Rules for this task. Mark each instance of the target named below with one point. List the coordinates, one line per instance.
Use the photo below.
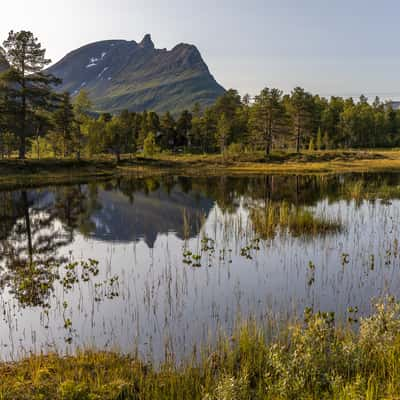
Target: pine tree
(128, 126)
(149, 145)
(311, 146)
(300, 107)
(143, 130)
(168, 138)
(326, 140)
(223, 132)
(267, 118)
(27, 87)
(115, 137)
(183, 127)
(82, 106)
(319, 139)
(63, 119)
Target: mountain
(3, 62)
(121, 74)
(149, 215)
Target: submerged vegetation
(313, 359)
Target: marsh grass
(31, 171)
(361, 190)
(311, 359)
(298, 221)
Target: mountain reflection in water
(144, 262)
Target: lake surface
(160, 265)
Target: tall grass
(314, 359)
(298, 221)
(361, 190)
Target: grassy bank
(50, 170)
(308, 360)
(14, 173)
(321, 162)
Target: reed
(310, 359)
(281, 217)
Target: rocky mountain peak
(3, 62)
(147, 42)
(120, 74)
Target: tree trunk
(267, 145)
(298, 141)
(38, 147)
(24, 196)
(22, 144)
(268, 149)
(269, 138)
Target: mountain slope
(3, 62)
(127, 75)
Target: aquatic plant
(297, 221)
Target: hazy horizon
(331, 49)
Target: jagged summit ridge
(3, 62)
(120, 74)
(147, 42)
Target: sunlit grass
(248, 162)
(298, 221)
(314, 359)
(362, 190)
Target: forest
(37, 122)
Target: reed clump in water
(298, 221)
(361, 190)
(314, 359)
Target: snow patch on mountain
(94, 60)
(102, 72)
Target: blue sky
(332, 47)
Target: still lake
(163, 264)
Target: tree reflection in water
(38, 226)
(34, 227)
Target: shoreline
(315, 358)
(30, 172)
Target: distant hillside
(119, 75)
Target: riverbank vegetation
(311, 359)
(37, 122)
(33, 172)
(316, 356)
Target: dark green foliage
(300, 106)
(63, 119)
(26, 88)
(56, 124)
(268, 118)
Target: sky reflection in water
(165, 263)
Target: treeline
(35, 119)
